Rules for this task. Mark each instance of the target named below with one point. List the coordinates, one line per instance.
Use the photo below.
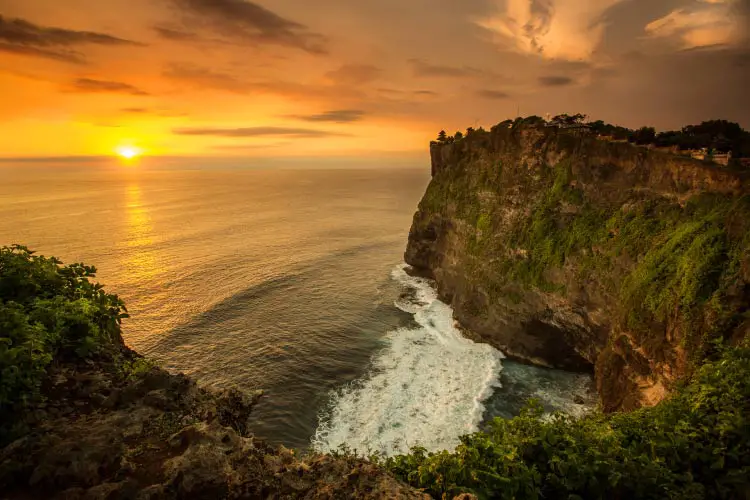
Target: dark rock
(159, 398)
(234, 408)
(161, 437)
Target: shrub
(48, 312)
(696, 444)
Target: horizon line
(89, 158)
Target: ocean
(287, 279)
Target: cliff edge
(568, 251)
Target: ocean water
(287, 279)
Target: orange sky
(341, 77)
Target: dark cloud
(88, 85)
(424, 92)
(248, 21)
(22, 37)
(21, 32)
(337, 116)
(177, 35)
(492, 94)
(136, 110)
(68, 56)
(201, 77)
(555, 81)
(354, 74)
(422, 68)
(259, 132)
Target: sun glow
(128, 152)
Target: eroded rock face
(103, 434)
(531, 236)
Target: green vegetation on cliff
(48, 312)
(689, 268)
(694, 445)
(547, 228)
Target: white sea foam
(426, 387)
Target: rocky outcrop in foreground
(573, 252)
(114, 427)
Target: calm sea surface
(289, 280)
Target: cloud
(337, 116)
(22, 37)
(354, 74)
(241, 147)
(68, 56)
(422, 68)
(88, 85)
(203, 78)
(206, 78)
(555, 81)
(492, 94)
(52, 159)
(155, 112)
(247, 21)
(176, 35)
(259, 132)
(399, 92)
(704, 23)
(554, 29)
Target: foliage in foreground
(694, 445)
(48, 312)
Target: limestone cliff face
(572, 252)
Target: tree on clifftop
(459, 136)
(566, 119)
(644, 135)
(442, 136)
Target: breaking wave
(426, 387)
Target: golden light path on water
(140, 260)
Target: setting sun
(128, 152)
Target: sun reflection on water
(141, 259)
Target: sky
(353, 77)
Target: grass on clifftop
(694, 445)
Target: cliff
(568, 251)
